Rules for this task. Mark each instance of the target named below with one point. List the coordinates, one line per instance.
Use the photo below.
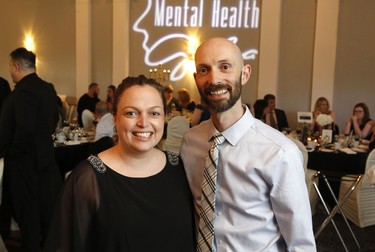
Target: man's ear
(246, 72)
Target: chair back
(88, 119)
(370, 160)
(176, 129)
(303, 150)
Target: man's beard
(222, 105)
(96, 95)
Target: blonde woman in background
(322, 107)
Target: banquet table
(335, 165)
(68, 156)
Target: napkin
(371, 175)
(347, 151)
(72, 142)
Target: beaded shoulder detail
(172, 158)
(97, 164)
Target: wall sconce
(192, 47)
(159, 74)
(29, 42)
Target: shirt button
(218, 213)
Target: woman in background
(131, 197)
(360, 123)
(111, 91)
(322, 107)
(187, 104)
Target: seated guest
(88, 101)
(187, 104)
(261, 109)
(360, 123)
(322, 107)
(105, 126)
(276, 118)
(172, 103)
(200, 114)
(111, 91)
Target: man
(88, 101)
(31, 175)
(105, 126)
(172, 103)
(276, 118)
(261, 200)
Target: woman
(322, 107)
(360, 123)
(111, 91)
(131, 197)
(187, 104)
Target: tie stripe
(207, 209)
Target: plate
(359, 150)
(71, 142)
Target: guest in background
(105, 126)
(261, 200)
(360, 123)
(173, 104)
(322, 106)
(111, 91)
(187, 104)
(201, 113)
(31, 175)
(276, 118)
(4, 90)
(88, 101)
(261, 109)
(131, 197)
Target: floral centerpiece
(324, 120)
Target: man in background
(276, 118)
(88, 101)
(172, 103)
(31, 176)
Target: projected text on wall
(236, 18)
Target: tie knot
(218, 139)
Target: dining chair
(72, 113)
(176, 128)
(88, 120)
(360, 206)
(309, 176)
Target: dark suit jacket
(282, 121)
(27, 122)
